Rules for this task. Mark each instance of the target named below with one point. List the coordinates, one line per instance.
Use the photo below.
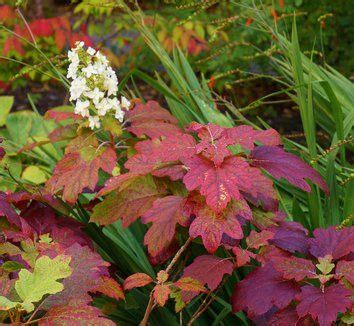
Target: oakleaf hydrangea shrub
(205, 184)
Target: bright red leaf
(218, 184)
(243, 257)
(109, 287)
(164, 215)
(211, 226)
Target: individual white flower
(73, 57)
(125, 103)
(78, 86)
(91, 51)
(104, 106)
(111, 86)
(119, 115)
(95, 95)
(102, 58)
(82, 108)
(115, 105)
(72, 70)
(94, 122)
(89, 71)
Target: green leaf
(19, 125)
(6, 103)
(6, 304)
(31, 287)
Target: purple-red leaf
(337, 243)
(290, 236)
(295, 268)
(345, 269)
(323, 305)
(281, 164)
(261, 290)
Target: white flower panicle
(94, 86)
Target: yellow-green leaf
(6, 103)
(34, 174)
(31, 287)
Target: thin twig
(150, 307)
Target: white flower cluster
(94, 85)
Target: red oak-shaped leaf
(257, 239)
(127, 204)
(151, 120)
(209, 270)
(211, 226)
(323, 305)
(243, 257)
(213, 143)
(74, 315)
(79, 170)
(218, 184)
(172, 148)
(109, 287)
(137, 280)
(246, 136)
(294, 268)
(290, 236)
(164, 214)
(337, 243)
(261, 290)
(161, 293)
(345, 269)
(215, 139)
(281, 164)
